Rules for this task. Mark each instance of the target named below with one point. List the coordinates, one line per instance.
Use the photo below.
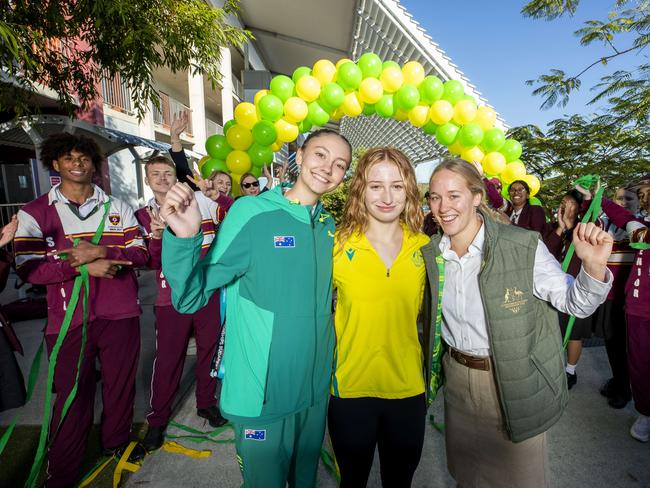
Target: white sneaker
(640, 429)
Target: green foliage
(334, 202)
(68, 45)
(627, 92)
(576, 146)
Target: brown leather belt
(472, 362)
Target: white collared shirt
(85, 208)
(514, 217)
(463, 317)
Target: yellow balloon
(308, 88)
(391, 79)
(295, 110)
(286, 131)
(456, 148)
(401, 115)
(338, 113)
(413, 73)
(472, 155)
(342, 61)
(246, 115)
(533, 183)
(485, 117)
(513, 171)
(371, 90)
(276, 146)
(259, 95)
(203, 160)
(352, 104)
(239, 137)
(441, 112)
(419, 115)
(236, 189)
(464, 112)
(324, 71)
(238, 162)
(494, 163)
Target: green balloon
(370, 65)
(228, 125)
(282, 87)
(317, 115)
(304, 126)
(260, 155)
(407, 97)
(390, 64)
(333, 95)
(300, 72)
(349, 76)
(429, 128)
(256, 171)
(446, 134)
(217, 146)
(430, 89)
(470, 98)
(264, 133)
(470, 135)
(385, 107)
(369, 109)
(493, 139)
(511, 150)
(535, 201)
(212, 165)
(453, 91)
(271, 107)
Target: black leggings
(358, 425)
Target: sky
(498, 49)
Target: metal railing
(168, 108)
(116, 93)
(237, 87)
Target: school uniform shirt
(51, 223)
(209, 222)
(378, 353)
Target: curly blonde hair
(355, 213)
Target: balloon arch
(327, 91)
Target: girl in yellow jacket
(378, 387)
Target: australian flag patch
(255, 435)
(284, 241)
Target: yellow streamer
(176, 448)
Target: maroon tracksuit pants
(116, 343)
(638, 355)
(173, 331)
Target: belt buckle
(462, 360)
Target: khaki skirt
(479, 451)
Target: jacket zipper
(315, 324)
(487, 328)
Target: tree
(68, 45)
(575, 146)
(627, 92)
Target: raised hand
(8, 232)
(178, 125)
(85, 252)
(157, 224)
(106, 268)
(181, 211)
(206, 186)
(593, 246)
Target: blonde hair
(472, 178)
(158, 160)
(355, 213)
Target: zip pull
(387, 272)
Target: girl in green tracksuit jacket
(273, 253)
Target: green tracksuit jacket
(275, 259)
